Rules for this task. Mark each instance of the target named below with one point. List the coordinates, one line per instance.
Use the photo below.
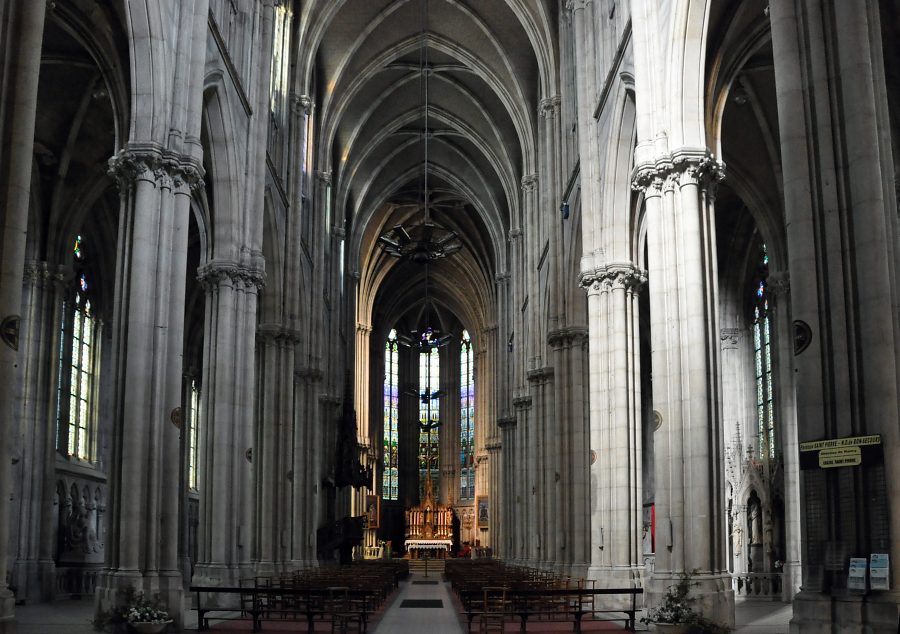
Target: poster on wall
(483, 511)
(373, 511)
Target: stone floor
(74, 617)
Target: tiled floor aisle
(400, 620)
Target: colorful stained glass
(762, 351)
(80, 378)
(429, 416)
(77, 250)
(82, 283)
(466, 419)
(390, 475)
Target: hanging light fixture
(425, 240)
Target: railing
(761, 585)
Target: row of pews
(344, 597)
(493, 593)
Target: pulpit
(429, 526)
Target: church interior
(601, 289)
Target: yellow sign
(840, 457)
(853, 441)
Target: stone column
(615, 424)
(305, 482)
(33, 571)
(688, 446)
(274, 444)
(148, 326)
(545, 465)
(511, 523)
(523, 473)
(23, 29)
(841, 225)
(573, 546)
(226, 469)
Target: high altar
(429, 526)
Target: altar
(432, 548)
(429, 527)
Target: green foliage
(677, 607)
(134, 609)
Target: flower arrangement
(135, 609)
(677, 608)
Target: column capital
(502, 277)
(779, 283)
(323, 176)
(494, 447)
(363, 329)
(300, 104)
(278, 334)
(729, 338)
(515, 233)
(310, 375)
(540, 375)
(549, 107)
(529, 182)
(218, 272)
(507, 423)
(613, 276)
(577, 5)
(522, 402)
(152, 162)
(684, 166)
(566, 337)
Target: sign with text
(880, 571)
(852, 451)
(856, 579)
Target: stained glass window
(193, 434)
(76, 250)
(429, 416)
(762, 360)
(80, 378)
(466, 419)
(390, 478)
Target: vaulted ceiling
(486, 64)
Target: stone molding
(540, 375)
(278, 334)
(565, 337)
(613, 276)
(685, 166)
(219, 272)
(522, 402)
(151, 162)
(507, 422)
(529, 183)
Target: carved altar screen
(466, 419)
(429, 416)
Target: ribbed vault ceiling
(488, 65)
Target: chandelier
(425, 240)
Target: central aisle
(423, 605)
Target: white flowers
(142, 611)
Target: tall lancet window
(390, 477)
(76, 354)
(466, 419)
(762, 354)
(429, 415)
(193, 434)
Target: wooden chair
(495, 608)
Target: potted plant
(676, 614)
(135, 614)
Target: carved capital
(507, 423)
(309, 375)
(613, 276)
(567, 337)
(278, 335)
(549, 107)
(300, 104)
(150, 162)
(234, 274)
(540, 375)
(323, 177)
(522, 402)
(685, 166)
(779, 284)
(529, 182)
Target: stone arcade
(603, 271)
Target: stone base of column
(166, 586)
(878, 613)
(7, 611)
(713, 593)
(26, 580)
(791, 578)
(616, 577)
